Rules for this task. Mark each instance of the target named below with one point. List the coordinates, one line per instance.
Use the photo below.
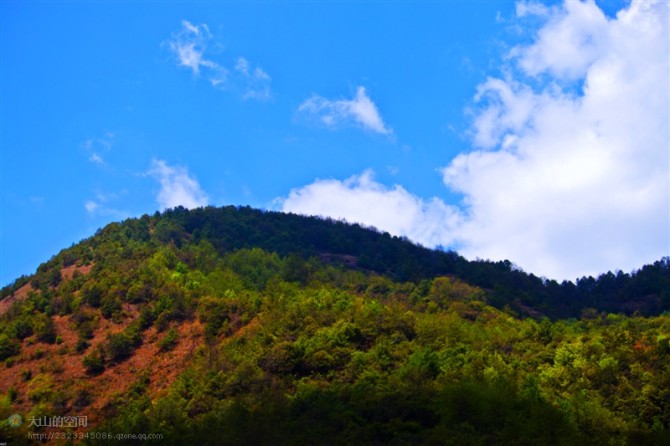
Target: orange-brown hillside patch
(64, 366)
(250, 327)
(170, 364)
(162, 368)
(22, 293)
(68, 271)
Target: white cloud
(242, 66)
(189, 46)
(570, 175)
(95, 146)
(91, 206)
(524, 8)
(255, 83)
(96, 159)
(509, 106)
(574, 184)
(361, 199)
(571, 40)
(99, 206)
(359, 110)
(178, 188)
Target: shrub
(82, 345)
(134, 333)
(119, 346)
(163, 321)
(59, 400)
(92, 294)
(81, 399)
(94, 362)
(84, 323)
(169, 341)
(22, 329)
(110, 306)
(26, 375)
(44, 328)
(8, 347)
(12, 393)
(40, 388)
(54, 277)
(147, 317)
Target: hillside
(238, 326)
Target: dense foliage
(362, 360)
(227, 229)
(319, 332)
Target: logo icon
(15, 420)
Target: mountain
(240, 326)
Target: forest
(239, 326)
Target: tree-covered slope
(646, 291)
(237, 326)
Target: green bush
(40, 388)
(8, 347)
(26, 375)
(92, 294)
(44, 328)
(85, 323)
(110, 306)
(82, 345)
(120, 345)
(147, 317)
(22, 328)
(12, 393)
(82, 398)
(169, 341)
(163, 321)
(94, 362)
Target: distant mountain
(240, 326)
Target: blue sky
(535, 132)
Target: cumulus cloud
(567, 45)
(569, 184)
(178, 187)
(189, 47)
(361, 199)
(360, 110)
(569, 171)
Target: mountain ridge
(231, 228)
